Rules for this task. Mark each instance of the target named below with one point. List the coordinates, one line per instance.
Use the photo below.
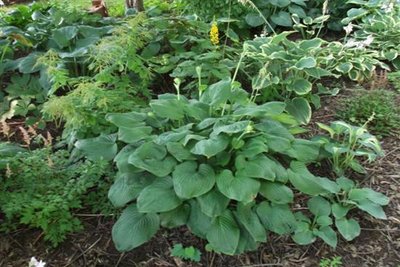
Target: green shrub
(379, 104)
(41, 189)
(226, 168)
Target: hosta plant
(290, 70)
(226, 168)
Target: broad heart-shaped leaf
(306, 63)
(250, 221)
(319, 206)
(175, 135)
(192, 180)
(236, 127)
(300, 86)
(217, 93)
(327, 234)
(134, 228)
(172, 109)
(254, 19)
(211, 147)
(158, 197)
(254, 146)
(130, 119)
(127, 187)
(265, 110)
(277, 218)
(121, 160)
(213, 203)
(176, 217)
(257, 167)
(131, 135)
(276, 192)
(198, 223)
(102, 147)
(349, 229)
(246, 242)
(307, 183)
(224, 233)
(277, 136)
(29, 64)
(179, 151)
(152, 158)
(282, 19)
(304, 150)
(63, 36)
(300, 109)
(240, 188)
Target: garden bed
(377, 246)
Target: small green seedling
(189, 253)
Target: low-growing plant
(380, 104)
(379, 22)
(288, 70)
(346, 143)
(335, 261)
(40, 189)
(226, 168)
(189, 253)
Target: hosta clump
(226, 168)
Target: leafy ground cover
(192, 136)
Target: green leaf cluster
(41, 189)
(226, 168)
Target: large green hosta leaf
(176, 217)
(250, 221)
(218, 93)
(236, 127)
(213, 203)
(172, 108)
(307, 183)
(262, 111)
(102, 147)
(158, 197)
(224, 233)
(192, 180)
(276, 192)
(300, 109)
(153, 158)
(198, 222)
(258, 167)
(304, 150)
(211, 147)
(121, 160)
(240, 188)
(278, 138)
(127, 187)
(134, 228)
(277, 218)
(63, 36)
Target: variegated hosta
(226, 168)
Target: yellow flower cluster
(214, 34)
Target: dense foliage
(40, 189)
(203, 109)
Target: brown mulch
(377, 246)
